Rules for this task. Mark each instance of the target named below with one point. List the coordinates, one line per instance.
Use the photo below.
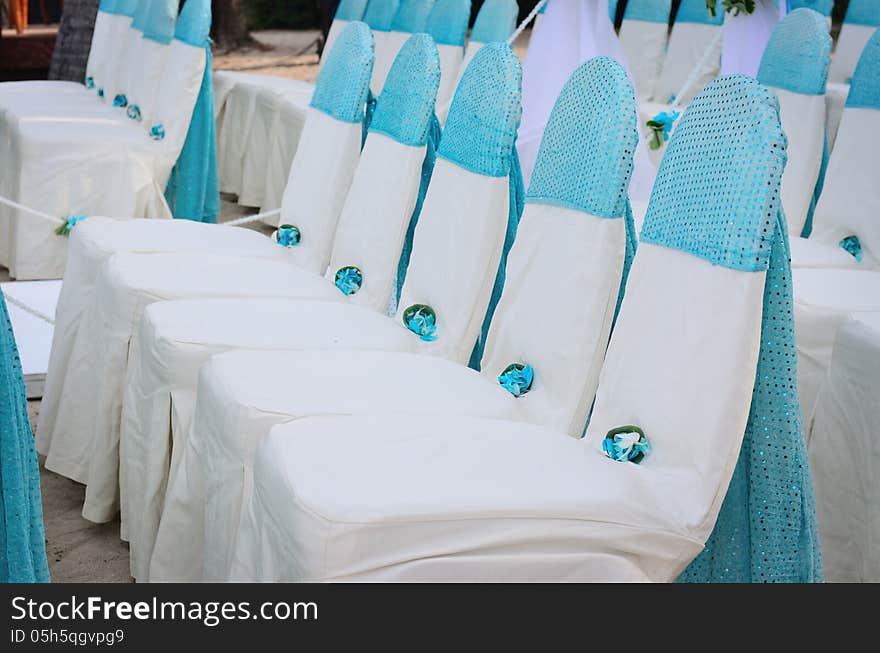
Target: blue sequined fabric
(715, 200)
(484, 116)
(405, 109)
(412, 16)
(824, 7)
(798, 54)
(22, 539)
(350, 10)
(864, 90)
(863, 12)
(344, 81)
(585, 160)
(652, 11)
(380, 14)
(695, 11)
(766, 530)
(448, 21)
(194, 24)
(496, 21)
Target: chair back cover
(795, 65)
(448, 24)
(861, 19)
(147, 58)
(496, 21)
(121, 39)
(346, 12)
(329, 149)
(567, 267)
(643, 36)
(102, 53)
(380, 16)
(824, 7)
(694, 33)
(849, 206)
(385, 190)
(469, 216)
(410, 18)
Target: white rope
(251, 218)
(28, 309)
(26, 209)
(526, 22)
(696, 72)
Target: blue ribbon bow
(69, 224)
(517, 378)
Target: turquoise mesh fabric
(484, 115)
(194, 24)
(586, 154)
(448, 21)
(193, 190)
(652, 11)
(344, 81)
(864, 90)
(824, 7)
(380, 14)
(141, 11)
(766, 530)
(798, 54)
(412, 16)
(405, 109)
(22, 540)
(109, 6)
(717, 190)
(159, 22)
(350, 10)
(863, 12)
(695, 11)
(496, 21)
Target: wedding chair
(643, 37)
(795, 66)
(694, 33)
(320, 179)
(169, 346)
(846, 224)
(465, 229)
(860, 22)
(403, 498)
(116, 166)
(842, 448)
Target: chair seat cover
(461, 499)
(173, 341)
(813, 253)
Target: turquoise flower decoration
(157, 132)
(287, 236)
(90, 82)
(134, 112)
(660, 126)
(853, 246)
(100, 92)
(626, 444)
(517, 378)
(120, 101)
(421, 320)
(349, 280)
(69, 224)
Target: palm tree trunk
(74, 40)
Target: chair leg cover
(766, 530)
(22, 540)
(192, 191)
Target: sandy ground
(78, 550)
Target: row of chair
(503, 486)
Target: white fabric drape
(745, 37)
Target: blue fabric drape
(192, 192)
(22, 539)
